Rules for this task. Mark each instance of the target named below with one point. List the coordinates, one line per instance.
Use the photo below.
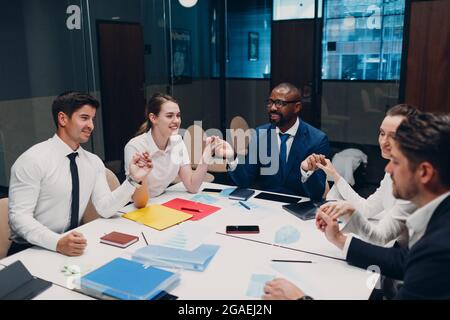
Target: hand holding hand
(310, 163)
(222, 149)
(140, 166)
(329, 169)
(337, 209)
(330, 227)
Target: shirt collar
(418, 221)
(153, 148)
(62, 148)
(292, 130)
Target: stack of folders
(196, 260)
(127, 280)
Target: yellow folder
(157, 216)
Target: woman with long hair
(159, 138)
(381, 204)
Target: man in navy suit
(420, 172)
(282, 154)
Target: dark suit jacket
(425, 268)
(308, 140)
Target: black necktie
(75, 191)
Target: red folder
(197, 209)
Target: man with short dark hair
(52, 182)
(419, 167)
(283, 153)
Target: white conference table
(229, 274)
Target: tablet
(303, 210)
(278, 197)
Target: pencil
(191, 209)
(143, 236)
(295, 261)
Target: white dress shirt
(382, 203)
(291, 132)
(40, 192)
(374, 206)
(418, 222)
(166, 163)
(391, 227)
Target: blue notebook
(196, 260)
(128, 280)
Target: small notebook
(158, 217)
(118, 239)
(241, 194)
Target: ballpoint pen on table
(295, 261)
(244, 205)
(191, 209)
(145, 239)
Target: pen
(244, 205)
(190, 209)
(144, 238)
(295, 261)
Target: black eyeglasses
(280, 103)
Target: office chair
(195, 150)
(90, 214)
(239, 138)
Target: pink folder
(197, 209)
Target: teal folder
(128, 280)
(196, 260)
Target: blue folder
(128, 280)
(196, 260)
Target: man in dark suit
(420, 172)
(278, 149)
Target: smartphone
(242, 229)
(212, 190)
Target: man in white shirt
(420, 173)
(52, 182)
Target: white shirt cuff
(50, 241)
(233, 165)
(129, 186)
(347, 245)
(305, 175)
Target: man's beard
(279, 123)
(406, 193)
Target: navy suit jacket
(308, 140)
(424, 269)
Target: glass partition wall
(43, 54)
(361, 50)
(214, 57)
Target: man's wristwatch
(305, 298)
(133, 182)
